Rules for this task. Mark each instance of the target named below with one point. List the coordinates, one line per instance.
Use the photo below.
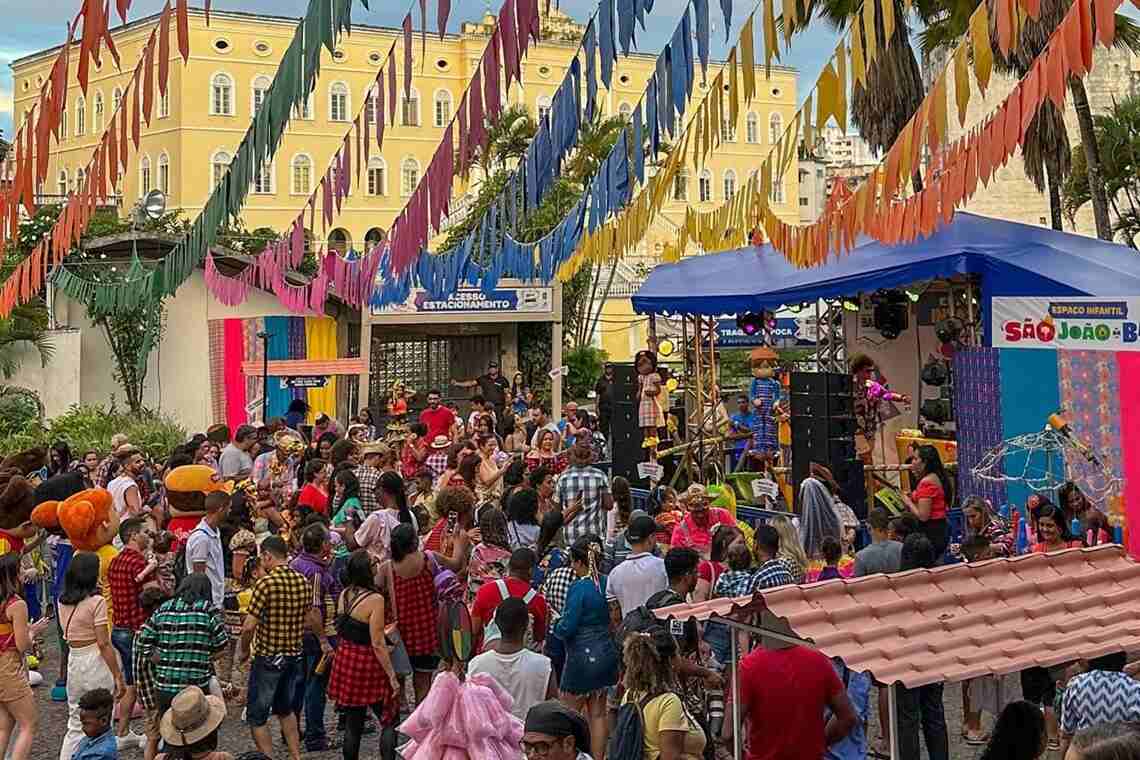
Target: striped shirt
(186, 637)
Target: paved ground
(236, 737)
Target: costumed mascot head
(31, 463)
(764, 362)
(187, 487)
(17, 501)
(87, 517)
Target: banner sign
(789, 331)
(476, 301)
(1091, 324)
(304, 381)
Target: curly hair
(648, 660)
(452, 499)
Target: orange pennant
(1004, 21)
(984, 150)
(1056, 73)
(1012, 112)
(1031, 94)
(1106, 21)
(1071, 34)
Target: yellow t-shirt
(667, 713)
(106, 553)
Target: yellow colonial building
(208, 108)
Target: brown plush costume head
(88, 518)
(17, 500)
(187, 486)
(763, 362)
(27, 463)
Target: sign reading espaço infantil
(1108, 324)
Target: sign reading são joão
(1098, 324)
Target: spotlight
(750, 323)
(850, 305)
(891, 313)
(665, 347)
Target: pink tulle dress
(463, 720)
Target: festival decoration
(102, 172)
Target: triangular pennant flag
(841, 78)
(443, 11)
(790, 20)
(748, 58)
(771, 43)
(407, 27)
(870, 34)
(961, 83)
(887, 11)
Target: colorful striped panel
(977, 412)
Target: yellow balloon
(671, 384)
(665, 348)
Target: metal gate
(423, 363)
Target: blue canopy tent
(1011, 259)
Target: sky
(40, 24)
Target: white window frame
(164, 103)
(727, 131)
(409, 103)
(80, 178)
(146, 178)
(681, 185)
(162, 176)
(376, 163)
(704, 186)
(406, 187)
(542, 106)
(729, 185)
(80, 116)
(752, 129)
(442, 98)
(63, 117)
(258, 88)
(308, 188)
(62, 183)
(339, 112)
(221, 100)
(215, 174)
(777, 190)
(268, 173)
(347, 241)
(625, 110)
(97, 114)
(116, 99)
(371, 103)
(775, 128)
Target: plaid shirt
(556, 586)
(125, 590)
(279, 603)
(732, 583)
(771, 574)
(369, 479)
(591, 484)
(186, 637)
(436, 462)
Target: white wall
(58, 383)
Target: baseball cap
(641, 527)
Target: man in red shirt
(122, 577)
(439, 419)
(517, 585)
(767, 700)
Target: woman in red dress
(362, 673)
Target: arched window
(704, 185)
(752, 128)
(409, 176)
(338, 102)
(442, 108)
(374, 237)
(777, 190)
(727, 131)
(306, 109)
(258, 90)
(625, 110)
(80, 116)
(377, 176)
(681, 185)
(144, 175)
(164, 104)
(729, 185)
(164, 173)
(410, 109)
(63, 122)
(302, 174)
(219, 165)
(263, 179)
(222, 95)
(80, 179)
(340, 241)
(775, 128)
(370, 106)
(62, 183)
(97, 115)
(116, 98)
(543, 107)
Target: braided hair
(588, 550)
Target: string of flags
(109, 161)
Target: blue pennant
(606, 40)
(589, 46)
(625, 18)
(701, 10)
(638, 147)
(726, 8)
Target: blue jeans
(123, 640)
(309, 694)
(272, 683)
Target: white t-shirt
(525, 675)
(234, 462)
(636, 579)
(118, 489)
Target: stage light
(892, 313)
(912, 296)
(665, 348)
(949, 330)
(750, 323)
(849, 305)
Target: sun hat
(193, 715)
(375, 447)
(693, 491)
(440, 442)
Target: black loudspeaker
(626, 450)
(823, 426)
(625, 384)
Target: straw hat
(285, 439)
(440, 442)
(192, 716)
(375, 447)
(694, 491)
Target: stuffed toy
(91, 523)
(650, 412)
(186, 489)
(764, 393)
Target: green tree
(1118, 135)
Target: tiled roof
(960, 621)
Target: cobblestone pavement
(236, 737)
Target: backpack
(627, 740)
(491, 629)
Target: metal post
(736, 728)
(264, 376)
(893, 714)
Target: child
(232, 673)
(832, 551)
(159, 571)
(668, 513)
(98, 742)
(650, 415)
(423, 499)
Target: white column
(555, 363)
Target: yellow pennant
(869, 31)
(887, 8)
(733, 92)
(983, 53)
(771, 43)
(939, 122)
(790, 20)
(748, 58)
(827, 96)
(961, 82)
(858, 67)
(841, 76)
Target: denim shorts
(123, 640)
(271, 687)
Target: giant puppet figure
(764, 394)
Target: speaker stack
(625, 435)
(823, 431)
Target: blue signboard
(789, 331)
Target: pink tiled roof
(960, 621)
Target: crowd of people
(454, 583)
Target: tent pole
(893, 714)
(736, 727)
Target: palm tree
(893, 90)
(1045, 149)
(595, 140)
(507, 138)
(26, 327)
(1118, 136)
